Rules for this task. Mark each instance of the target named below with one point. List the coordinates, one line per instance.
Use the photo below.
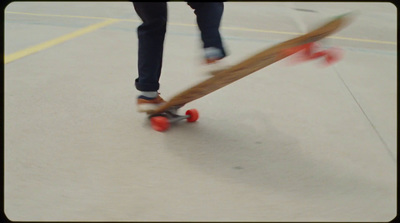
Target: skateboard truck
(162, 121)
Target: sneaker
(145, 104)
(212, 55)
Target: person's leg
(151, 35)
(209, 15)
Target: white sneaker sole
(147, 107)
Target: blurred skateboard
(163, 116)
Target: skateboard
(166, 114)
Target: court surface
(287, 143)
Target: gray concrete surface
(288, 143)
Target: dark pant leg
(209, 15)
(151, 35)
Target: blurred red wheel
(194, 115)
(333, 55)
(160, 123)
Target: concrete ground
(287, 143)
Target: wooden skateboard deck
(254, 63)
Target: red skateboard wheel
(333, 55)
(194, 115)
(159, 123)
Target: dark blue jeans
(151, 35)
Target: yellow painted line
(34, 49)
(363, 40)
(192, 25)
(296, 34)
(109, 21)
(261, 31)
(62, 16)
